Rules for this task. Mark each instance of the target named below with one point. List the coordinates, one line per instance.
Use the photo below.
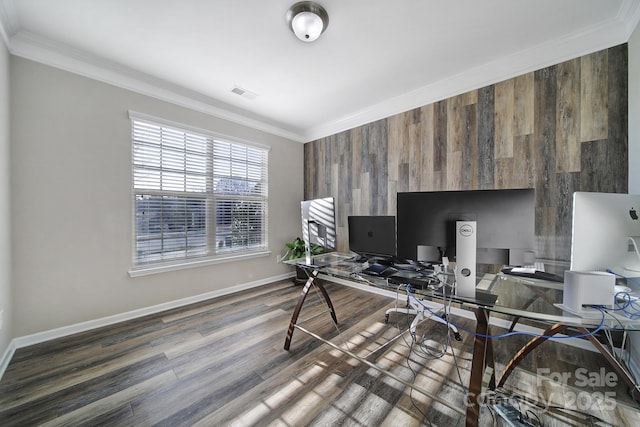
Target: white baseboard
(63, 331)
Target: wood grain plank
(342, 181)
(486, 138)
(523, 105)
(426, 161)
(440, 138)
(415, 147)
(454, 171)
(392, 203)
(546, 224)
(365, 194)
(504, 173)
(504, 119)
(524, 166)
(356, 199)
(470, 154)
(98, 408)
(192, 397)
(594, 96)
(469, 98)
(545, 134)
(403, 178)
(600, 161)
(618, 116)
(454, 125)
(234, 328)
(396, 152)
(39, 390)
(568, 110)
(270, 296)
(355, 162)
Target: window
(195, 195)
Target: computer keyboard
(539, 266)
(532, 273)
(380, 270)
(412, 266)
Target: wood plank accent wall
(559, 129)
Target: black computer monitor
(505, 222)
(372, 236)
(318, 222)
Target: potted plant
(296, 249)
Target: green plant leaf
(296, 249)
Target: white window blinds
(196, 195)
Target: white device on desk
(466, 259)
(583, 289)
(605, 230)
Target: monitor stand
(632, 263)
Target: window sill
(145, 270)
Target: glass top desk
(510, 300)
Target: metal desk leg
(615, 364)
(482, 357)
(558, 329)
(527, 348)
(311, 281)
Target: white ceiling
(376, 58)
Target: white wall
(634, 112)
(5, 225)
(72, 205)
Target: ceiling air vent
(244, 93)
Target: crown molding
(33, 47)
(629, 16)
(610, 33)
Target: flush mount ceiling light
(307, 20)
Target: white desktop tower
(465, 271)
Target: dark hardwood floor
(221, 362)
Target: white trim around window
(198, 197)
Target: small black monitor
(373, 236)
(505, 224)
(319, 223)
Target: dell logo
(466, 230)
(633, 214)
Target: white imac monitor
(606, 233)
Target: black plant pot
(301, 276)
